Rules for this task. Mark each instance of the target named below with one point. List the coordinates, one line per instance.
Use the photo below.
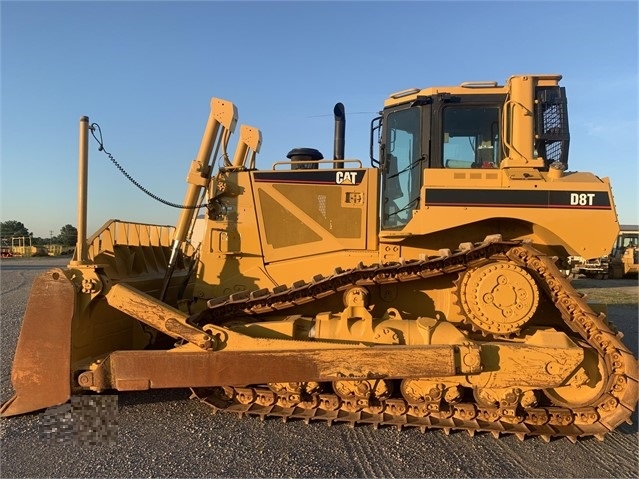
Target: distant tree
(68, 235)
(12, 228)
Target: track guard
(42, 364)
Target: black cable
(94, 127)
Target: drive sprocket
(498, 298)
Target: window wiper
(408, 168)
(405, 208)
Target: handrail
(318, 162)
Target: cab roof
(466, 88)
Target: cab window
(470, 137)
(403, 169)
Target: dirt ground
(162, 433)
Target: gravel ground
(164, 434)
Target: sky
(146, 72)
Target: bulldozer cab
(457, 158)
(473, 126)
(625, 240)
(466, 134)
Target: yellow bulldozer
(420, 291)
(624, 258)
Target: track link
(613, 406)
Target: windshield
(402, 179)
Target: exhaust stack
(338, 142)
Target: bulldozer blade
(42, 364)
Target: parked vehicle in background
(622, 262)
(624, 259)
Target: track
(612, 407)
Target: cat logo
(346, 177)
